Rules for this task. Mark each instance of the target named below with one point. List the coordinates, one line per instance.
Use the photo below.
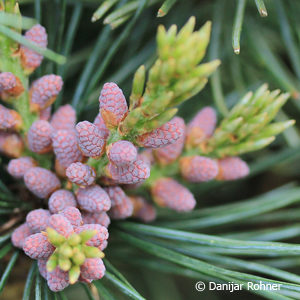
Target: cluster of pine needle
(225, 190)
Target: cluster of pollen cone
(96, 170)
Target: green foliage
(164, 9)
(16, 21)
(21, 40)
(246, 128)
(71, 252)
(231, 236)
(120, 14)
(175, 77)
(261, 8)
